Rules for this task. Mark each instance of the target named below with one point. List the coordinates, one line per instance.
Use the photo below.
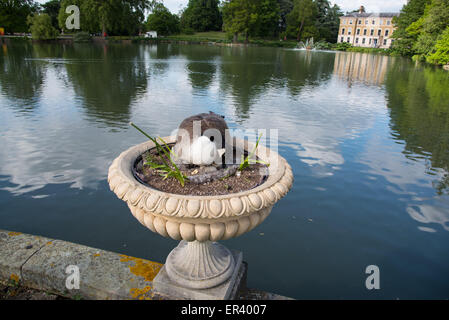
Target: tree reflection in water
(418, 100)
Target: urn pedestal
(199, 263)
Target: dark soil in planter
(249, 178)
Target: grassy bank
(221, 37)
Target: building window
(386, 33)
(343, 31)
(385, 42)
(374, 21)
(379, 32)
(356, 40)
(342, 39)
(388, 22)
(364, 32)
(366, 21)
(369, 40)
(363, 40)
(372, 32)
(380, 21)
(360, 21)
(350, 21)
(349, 31)
(349, 39)
(358, 31)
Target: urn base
(174, 288)
(199, 264)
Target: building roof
(371, 15)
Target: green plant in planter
(246, 161)
(168, 168)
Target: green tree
(52, 8)
(268, 15)
(114, 17)
(41, 27)
(327, 20)
(202, 15)
(410, 13)
(301, 20)
(440, 54)
(240, 16)
(434, 22)
(163, 21)
(285, 7)
(14, 13)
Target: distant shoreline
(171, 39)
(191, 40)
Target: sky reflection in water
(366, 135)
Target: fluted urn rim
(123, 183)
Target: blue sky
(346, 5)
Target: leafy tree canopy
(115, 17)
(201, 15)
(429, 28)
(14, 13)
(327, 20)
(440, 54)
(52, 8)
(419, 25)
(301, 20)
(41, 27)
(163, 21)
(240, 16)
(285, 6)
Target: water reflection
(249, 73)
(366, 136)
(367, 68)
(201, 65)
(108, 78)
(297, 69)
(418, 99)
(245, 75)
(16, 68)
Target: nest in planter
(202, 180)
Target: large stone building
(371, 30)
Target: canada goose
(201, 139)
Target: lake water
(367, 137)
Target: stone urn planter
(199, 262)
